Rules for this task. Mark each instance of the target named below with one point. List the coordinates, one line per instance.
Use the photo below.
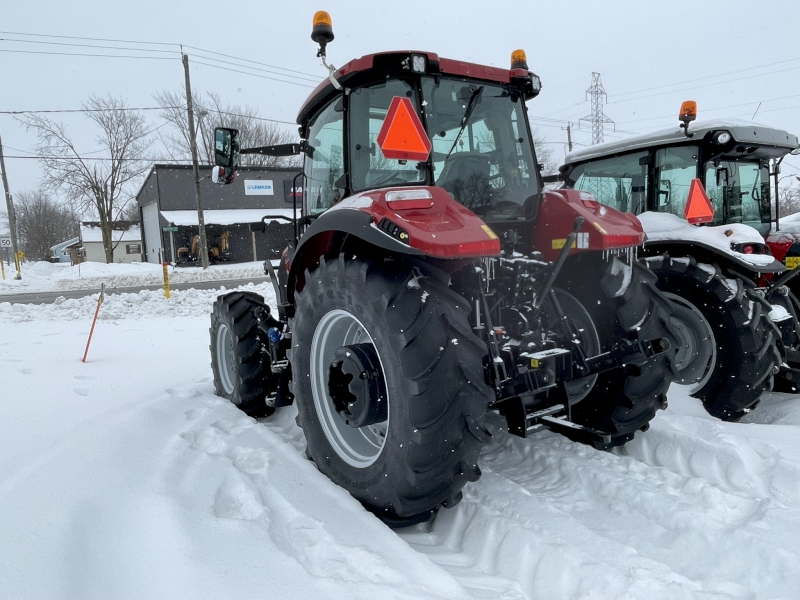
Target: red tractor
(434, 288)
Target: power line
(310, 78)
(314, 80)
(255, 62)
(86, 54)
(87, 46)
(69, 37)
(197, 62)
(705, 85)
(666, 85)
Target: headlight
(723, 137)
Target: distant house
(60, 252)
(234, 214)
(127, 240)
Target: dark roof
(172, 186)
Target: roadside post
(18, 263)
(171, 229)
(5, 244)
(165, 266)
(97, 310)
(3, 267)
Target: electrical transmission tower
(597, 118)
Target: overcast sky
(728, 55)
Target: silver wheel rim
(358, 447)
(225, 358)
(696, 334)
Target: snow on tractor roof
(741, 130)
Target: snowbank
(45, 277)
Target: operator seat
(466, 176)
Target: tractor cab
(410, 119)
(733, 160)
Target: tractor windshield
(481, 150)
(741, 190)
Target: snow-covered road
(125, 477)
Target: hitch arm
(627, 353)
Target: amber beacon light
(687, 115)
(688, 111)
(322, 31)
(519, 60)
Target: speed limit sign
(5, 242)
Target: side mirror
(226, 155)
(226, 147)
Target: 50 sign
(5, 242)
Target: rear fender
(718, 243)
(605, 228)
(430, 225)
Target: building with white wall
(127, 243)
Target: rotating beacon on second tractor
(435, 294)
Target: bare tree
(98, 184)
(253, 130)
(544, 153)
(789, 198)
(130, 212)
(42, 223)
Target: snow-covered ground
(45, 277)
(126, 477)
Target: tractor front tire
(241, 370)
(423, 448)
(743, 341)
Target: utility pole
(193, 143)
(12, 219)
(569, 136)
(596, 91)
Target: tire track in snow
(690, 502)
(270, 486)
(685, 510)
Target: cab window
(481, 154)
(368, 109)
(739, 192)
(675, 169)
(619, 182)
(324, 160)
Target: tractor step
(555, 419)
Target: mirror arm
(278, 150)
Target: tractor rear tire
(624, 400)
(743, 339)
(241, 370)
(426, 449)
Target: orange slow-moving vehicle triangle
(698, 207)
(402, 135)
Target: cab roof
(745, 132)
(377, 66)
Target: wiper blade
(473, 100)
